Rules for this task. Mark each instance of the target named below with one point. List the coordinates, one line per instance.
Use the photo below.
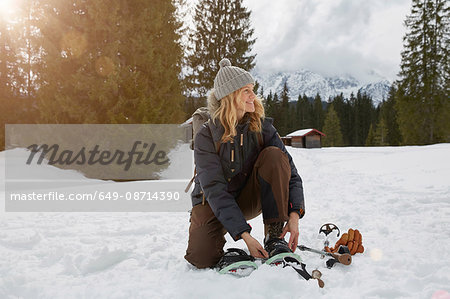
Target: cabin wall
(313, 141)
(297, 141)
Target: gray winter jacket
(219, 180)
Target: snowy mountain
(310, 83)
(378, 90)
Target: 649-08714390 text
(93, 196)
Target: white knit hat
(230, 78)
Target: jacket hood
(213, 103)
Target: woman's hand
(256, 250)
(292, 228)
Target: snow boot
(279, 250)
(236, 262)
(276, 246)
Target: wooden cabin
(306, 138)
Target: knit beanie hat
(230, 78)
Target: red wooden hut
(306, 138)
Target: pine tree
(111, 62)
(6, 60)
(304, 112)
(269, 105)
(388, 114)
(364, 115)
(370, 140)
(276, 112)
(351, 133)
(284, 115)
(318, 113)
(332, 129)
(19, 51)
(381, 133)
(258, 89)
(223, 29)
(423, 90)
(344, 112)
(28, 48)
(19, 57)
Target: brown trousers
(266, 191)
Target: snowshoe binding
(281, 254)
(278, 249)
(236, 262)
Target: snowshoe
(281, 255)
(236, 262)
(278, 250)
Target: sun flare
(8, 8)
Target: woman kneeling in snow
(243, 169)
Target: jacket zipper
(232, 151)
(241, 151)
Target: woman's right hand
(256, 250)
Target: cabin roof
(305, 132)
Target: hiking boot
(237, 262)
(276, 246)
(273, 230)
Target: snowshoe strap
(234, 255)
(236, 261)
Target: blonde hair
(227, 114)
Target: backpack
(199, 117)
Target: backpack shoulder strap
(217, 147)
(217, 144)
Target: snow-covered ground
(398, 197)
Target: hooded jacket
(222, 175)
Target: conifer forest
(136, 62)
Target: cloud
(329, 36)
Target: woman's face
(247, 99)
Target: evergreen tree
(304, 112)
(298, 122)
(111, 62)
(19, 57)
(276, 112)
(6, 60)
(258, 90)
(19, 51)
(318, 113)
(223, 29)
(364, 115)
(332, 129)
(284, 115)
(388, 114)
(370, 140)
(351, 133)
(27, 47)
(423, 90)
(381, 133)
(344, 112)
(269, 105)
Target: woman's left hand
(292, 228)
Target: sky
(331, 37)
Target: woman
(243, 169)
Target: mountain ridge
(310, 83)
